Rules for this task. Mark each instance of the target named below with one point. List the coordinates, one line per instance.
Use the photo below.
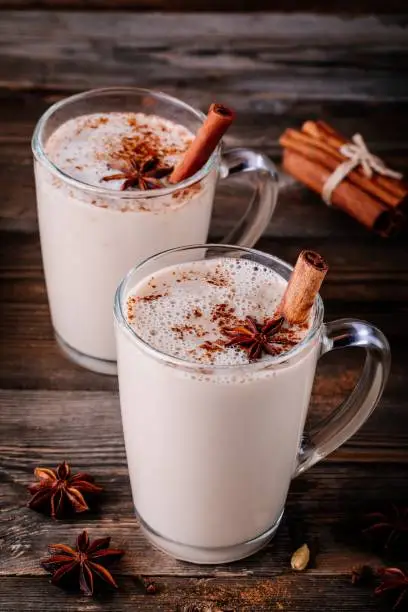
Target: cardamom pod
(300, 558)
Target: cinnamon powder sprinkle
(152, 297)
(130, 303)
(92, 124)
(132, 147)
(268, 594)
(132, 122)
(181, 330)
(211, 347)
(217, 279)
(183, 194)
(285, 340)
(142, 146)
(223, 315)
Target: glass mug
(88, 238)
(212, 450)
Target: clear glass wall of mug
(90, 236)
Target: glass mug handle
(262, 205)
(350, 415)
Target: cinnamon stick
(322, 152)
(218, 120)
(303, 287)
(322, 132)
(366, 209)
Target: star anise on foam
(394, 583)
(83, 565)
(255, 338)
(144, 173)
(59, 492)
(389, 529)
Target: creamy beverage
(90, 238)
(212, 439)
(123, 173)
(217, 350)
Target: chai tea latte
(206, 440)
(89, 239)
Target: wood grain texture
(359, 266)
(256, 58)
(288, 592)
(277, 70)
(380, 123)
(46, 427)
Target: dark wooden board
(336, 6)
(380, 123)
(256, 59)
(277, 70)
(373, 270)
(46, 427)
(294, 593)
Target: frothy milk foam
(83, 147)
(89, 240)
(210, 448)
(183, 311)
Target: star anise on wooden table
(394, 583)
(83, 565)
(388, 530)
(142, 173)
(255, 338)
(59, 492)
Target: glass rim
(185, 364)
(37, 146)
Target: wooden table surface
(276, 70)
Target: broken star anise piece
(388, 530)
(142, 173)
(255, 338)
(394, 583)
(59, 492)
(83, 565)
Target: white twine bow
(358, 155)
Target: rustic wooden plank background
(276, 70)
(322, 6)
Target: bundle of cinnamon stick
(312, 154)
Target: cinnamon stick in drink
(303, 287)
(218, 120)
